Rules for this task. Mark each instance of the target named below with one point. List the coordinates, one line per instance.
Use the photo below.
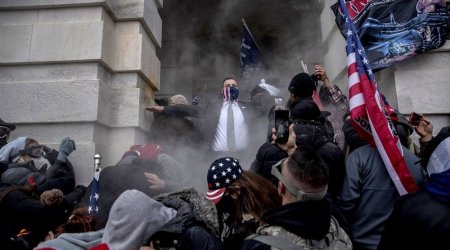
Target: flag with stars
(221, 174)
(253, 66)
(395, 30)
(95, 191)
(368, 112)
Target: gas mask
(231, 93)
(41, 163)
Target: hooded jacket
(114, 180)
(12, 149)
(368, 194)
(133, 219)
(268, 155)
(194, 227)
(60, 175)
(73, 241)
(308, 222)
(310, 136)
(129, 225)
(19, 210)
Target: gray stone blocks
(80, 68)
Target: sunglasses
(299, 194)
(4, 132)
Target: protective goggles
(299, 194)
(35, 151)
(4, 132)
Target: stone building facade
(80, 68)
(87, 68)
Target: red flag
(368, 111)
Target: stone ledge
(144, 11)
(119, 46)
(41, 4)
(36, 101)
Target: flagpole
(95, 190)
(246, 27)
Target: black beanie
(302, 85)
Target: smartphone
(414, 119)
(282, 125)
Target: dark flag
(392, 31)
(369, 113)
(253, 66)
(93, 198)
(95, 191)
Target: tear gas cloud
(201, 41)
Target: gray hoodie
(12, 149)
(129, 224)
(74, 241)
(128, 227)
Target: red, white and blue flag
(95, 191)
(368, 112)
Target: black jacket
(114, 180)
(310, 136)
(209, 116)
(175, 133)
(309, 220)
(419, 221)
(20, 210)
(310, 132)
(268, 155)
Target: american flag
(93, 198)
(368, 111)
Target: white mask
(41, 162)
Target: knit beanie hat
(302, 85)
(178, 100)
(52, 197)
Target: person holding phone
(423, 127)
(272, 152)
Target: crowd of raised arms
(234, 173)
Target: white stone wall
(80, 68)
(420, 84)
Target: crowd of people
(312, 182)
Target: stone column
(83, 69)
(420, 84)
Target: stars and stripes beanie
(221, 174)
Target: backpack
(335, 239)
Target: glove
(81, 188)
(146, 151)
(66, 147)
